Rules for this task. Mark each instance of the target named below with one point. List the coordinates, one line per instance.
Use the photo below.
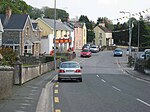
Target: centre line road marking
(103, 80)
(56, 91)
(57, 110)
(56, 99)
(143, 102)
(116, 88)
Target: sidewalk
(25, 98)
(135, 73)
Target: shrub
(9, 56)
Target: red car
(86, 53)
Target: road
(106, 87)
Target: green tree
(89, 25)
(17, 6)
(108, 23)
(35, 12)
(60, 14)
(9, 56)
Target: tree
(35, 12)
(17, 6)
(89, 25)
(60, 14)
(108, 23)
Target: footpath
(26, 97)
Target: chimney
(8, 12)
(7, 15)
(102, 24)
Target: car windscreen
(118, 51)
(69, 65)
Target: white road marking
(116, 88)
(97, 75)
(103, 80)
(143, 102)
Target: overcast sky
(96, 8)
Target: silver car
(69, 70)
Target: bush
(9, 56)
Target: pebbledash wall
(6, 81)
(19, 75)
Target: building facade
(103, 36)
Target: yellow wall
(46, 30)
(97, 32)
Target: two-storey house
(63, 40)
(103, 36)
(80, 35)
(19, 33)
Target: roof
(16, 21)
(59, 24)
(104, 29)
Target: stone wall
(31, 72)
(6, 82)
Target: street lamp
(130, 30)
(55, 34)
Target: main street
(106, 87)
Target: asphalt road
(106, 87)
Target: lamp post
(130, 30)
(55, 34)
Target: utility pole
(54, 35)
(130, 30)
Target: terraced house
(19, 33)
(63, 35)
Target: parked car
(86, 46)
(118, 52)
(85, 53)
(94, 48)
(69, 70)
(144, 56)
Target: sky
(94, 9)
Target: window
(100, 35)
(27, 49)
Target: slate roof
(15, 22)
(59, 24)
(105, 29)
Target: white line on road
(103, 80)
(97, 75)
(116, 88)
(143, 102)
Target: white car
(94, 49)
(69, 70)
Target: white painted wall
(47, 44)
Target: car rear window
(69, 65)
(85, 50)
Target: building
(103, 36)
(63, 35)
(19, 33)
(80, 34)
